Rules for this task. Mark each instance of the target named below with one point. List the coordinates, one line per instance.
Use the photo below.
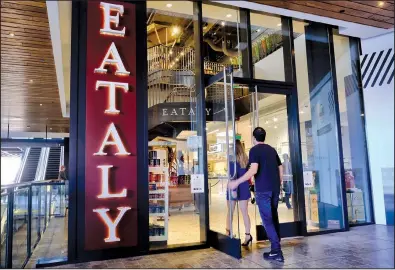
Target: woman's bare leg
(229, 215)
(243, 205)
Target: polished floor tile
(353, 249)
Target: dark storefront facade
(160, 92)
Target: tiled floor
(362, 247)
(187, 218)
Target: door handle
(232, 100)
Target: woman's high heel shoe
(246, 244)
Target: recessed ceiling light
(380, 3)
(279, 24)
(12, 34)
(169, 5)
(275, 119)
(41, 104)
(301, 112)
(228, 15)
(31, 81)
(275, 126)
(223, 23)
(50, 128)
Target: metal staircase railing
(171, 74)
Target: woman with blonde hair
(241, 194)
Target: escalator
(29, 169)
(53, 163)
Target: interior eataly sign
(110, 191)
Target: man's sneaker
(274, 256)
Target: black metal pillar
(10, 228)
(202, 198)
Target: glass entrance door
(233, 111)
(270, 111)
(221, 152)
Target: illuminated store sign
(111, 170)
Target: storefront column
(85, 59)
(202, 198)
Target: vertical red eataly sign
(110, 173)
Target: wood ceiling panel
(29, 89)
(22, 5)
(386, 4)
(362, 7)
(362, 12)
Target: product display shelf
(157, 191)
(158, 238)
(311, 208)
(162, 218)
(158, 214)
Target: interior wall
(379, 115)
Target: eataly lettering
(111, 225)
(112, 58)
(181, 111)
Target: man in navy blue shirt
(265, 166)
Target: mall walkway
(53, 244)
(362, 247)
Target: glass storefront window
(352, 127)
(175, 152)
(318, 128)
(267, 50)
(225, 39)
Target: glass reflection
(318, 128)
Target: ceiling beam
(55, 26)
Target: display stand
(355, 205)
(312, 216)
(159, 194)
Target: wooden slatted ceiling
(29, 89)
(374, 13)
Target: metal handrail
(34, 183)
(233, 121)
